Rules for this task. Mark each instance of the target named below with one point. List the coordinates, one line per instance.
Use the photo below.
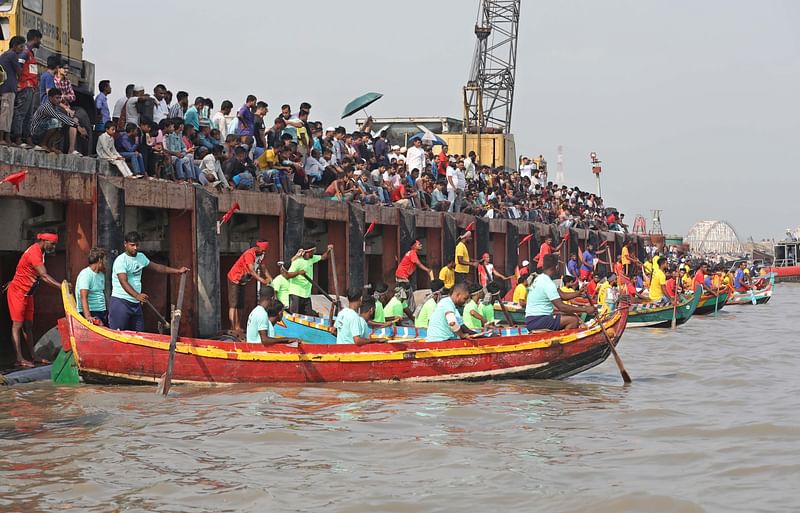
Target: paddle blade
(163, 385)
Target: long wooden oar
(334, 307)
(162, 322)
(625, 376)
(505, 312)
(315, 284)
(166, 380)
(675, 307)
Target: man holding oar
(544, 297)
(245, 268)
(125, 306)
(301, 276)
(405, 269)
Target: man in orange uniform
(245, 268)
(30, 272)
(545, 249)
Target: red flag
(15, 178)
(525, 239)
(566, 235)
(230, 212)
(369, 229)
(470, 227)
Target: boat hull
(108, 356)
(710, 303)
(649, 316)
(762, 295)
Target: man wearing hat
(301, 276)
(30, 272)
(463, 263)
(408, 264)
(245, 268)
(422, 317)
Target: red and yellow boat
(103, 355)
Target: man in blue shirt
(589, 262)
(445, 322)
(740, 278)
(125, 306)
(101, 102)
(90, 288)
(572, 266)
(351, 323)
(10, 61)
(544, 297)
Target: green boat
(709, 303)
(650, 315)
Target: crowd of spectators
(164, 136)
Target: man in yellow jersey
(658, 283)
(463, 263)
(521, 292)
(448, 276)
(629, 259)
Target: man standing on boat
(545, 249)
(29, 274)
(90, 288)
(245, 268)
(405, 269)
(125, 306)
(589, 262)
(446, 323)
(301, 276)
(463, 263)
(629, 260)
(544, 297)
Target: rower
(520, 292)
(30, 272)
(473, 317)
(262, 319)
(381, 294)
(658, 283)
(351, 323)
(463, 263)
(301, 276)
(569, 284)
(125, 305)
(544, 298)
(405, 269)
(398, 308)
(446, 323)
(423, 316)
(90, 288)
(608, 294)
(740, 281)
(245, 268)
(281, 285)
(487, 272)
(448, 275)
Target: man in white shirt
(456, 184)
(223, 118)
(469, 166)
(120, 104)
(395, 154)
(415, 157)
(313, 167)
(160, 109)
(526, 168)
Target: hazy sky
(692, 106)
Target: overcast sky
(692, 106)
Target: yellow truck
(59, 21)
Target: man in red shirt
(408, 264)
(26, 100)
(245, 268)
(30, 272)
(545, 249)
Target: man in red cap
(408, 264)
(30, 272)
(245, 268)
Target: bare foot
(25, 364)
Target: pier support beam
(512, 239)
(356, 260)
(482, 237)
(81, 237)
(182, 237)
(449, 238)
(270, 228)
(293, 228)
(110, 222)
(207, 299)
(337, 235)
(389, 256)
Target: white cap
(138, 88)
(403, 149)
(525, 263)
(330, 129)
(396, 147)
(357, 172)
(526, 158)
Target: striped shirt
(45, 113)
(176, 111)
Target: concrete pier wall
(88, 206)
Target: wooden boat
(649, 315)
(761, 295)
(709, 303)
(516, 312)
(102, 355)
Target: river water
(710, 423)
